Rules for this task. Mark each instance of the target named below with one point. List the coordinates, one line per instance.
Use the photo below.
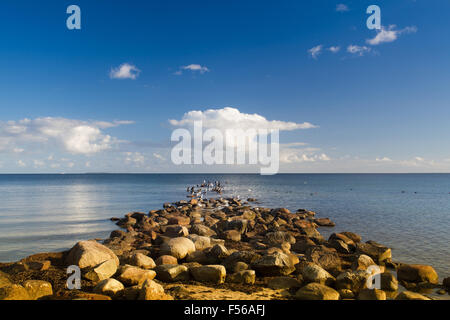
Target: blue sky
(384, 108)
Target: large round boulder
(178, 247)
(90, 254)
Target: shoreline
(233, 247)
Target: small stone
(14, 292)
(178, 247)
(152, 291)
(317, 291)
(172, 273)
(38, 288)
(372, 294)
(283, 283)
(211, 273)
(409, 295)
(244, 277)
(101, 272)
(142, 261)
(131, 275)
(166, 259)
(109, 287)
(417, 273)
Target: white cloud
(193, 68)
(334, 49)
(38, 163)
(158, 156)
(389, 35)
(384, 159)
(358, 50)
(73, 136)
(135, 158)
(20, 163)
(232, 118)
(124, 71)
(341, 7)
(315, 51)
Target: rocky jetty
(222, 248)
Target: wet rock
(315, 273)
(14, 292)
(372, 294)
(153, 291)
(109, 287)
(417, 273)
(244, 277)
(141, 261)
(276, 264)
(166, 259)
(172, 273)
(174, 231)
(377, 252)
(90, 254)
(211, 273)
(352, 236)
(178, 247)
(409, 295)
(317, 291)
(302, 245)
(101, 272)
(283, 283)
(131, 275)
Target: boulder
(325, 257)
(14, 292)
(142, 261)
(38, 288)
(346, 294)
(200, 242)
(388, 282)
(211, 273)
(362, 262)
(202, 230)
(315, 273)
(243, 277)
(324, 222)
(90, 253)
(275, 264)
(109, 287)
(283, 283)
(166, 259)
(377, 252)
(231, 235)
(151, 290)
(131, 275)
(372, 294)
(172, 273)
(101, 272)
(446, 282)
(409, 295)
(279, 237)
(4, 279)
(173, 231)
(317, 291)
(302, 245)
(417, 273)
(352, 280)
(39, 265)
(178, 247)
(353, 236)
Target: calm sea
(408, 212)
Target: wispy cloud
(315, 51)
(389, 34)
(125, 71)
(334, 49)
(341, 7)
(358, 50)
(192, 67)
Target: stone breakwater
(222, 249)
